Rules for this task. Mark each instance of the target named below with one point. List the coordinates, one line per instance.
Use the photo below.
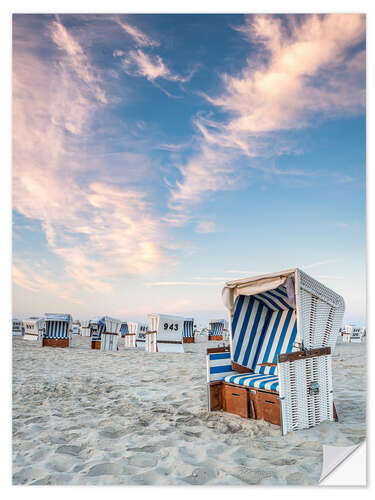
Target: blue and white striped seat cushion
(256, 380)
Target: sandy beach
(132, 418)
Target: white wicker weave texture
(305, 392)
(321, 311)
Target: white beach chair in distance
(216, 329)
(106, 336)
(57, 330)
(188, 337)
(278, 367)
(85, 328)
(354, 334)
(33, 328)
(140, 338)
(165, 333)
(131, 334)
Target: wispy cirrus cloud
(100, 230)
(152, 67)
(140, 38)
(300, 69)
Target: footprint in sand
(112, 433)
(142, 460)
(284, 461)
(200, 475)
(69, 449)
(105, 468)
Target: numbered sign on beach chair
(283, 329)
(33, 328)
(216, 329)
(107, 334)
(131, 334)
(140, 338)
(165, 333)
(188, 331)
(57, 330)
(85, 328)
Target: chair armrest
(266, 364)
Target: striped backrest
(217, 327)
(97, 333)
(218, 365)
(56, 329)
(124, 329)
(263, 326)
(189, 327)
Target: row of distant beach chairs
(283, 328)
(163, 333)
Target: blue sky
(157, 156)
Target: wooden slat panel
(311, 353)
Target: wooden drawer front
(215, 337)
(235, 400)
(270, 407)
(52, 342)
(95, 344)
(216, 402)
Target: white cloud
(140, 38)
(299, 70)
(100, 231)
(138, 63)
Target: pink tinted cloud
(101, 232)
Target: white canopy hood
(259, 284)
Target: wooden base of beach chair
(189, 340)
(95, 344)
(55, 342)
(215, 337)
(235, 400)
(245, 402)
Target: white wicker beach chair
(106, 336)
(57, 330)
(33, 328)
(130, 334)
(85, 328)
(188, 337)
(283, 329)
(165, 333)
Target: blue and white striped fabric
(256, 380)
(57, 326)
(189, 327)
(263, 326)
(217, 328)
(219, 365)
(97, 334)
(124, 329)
